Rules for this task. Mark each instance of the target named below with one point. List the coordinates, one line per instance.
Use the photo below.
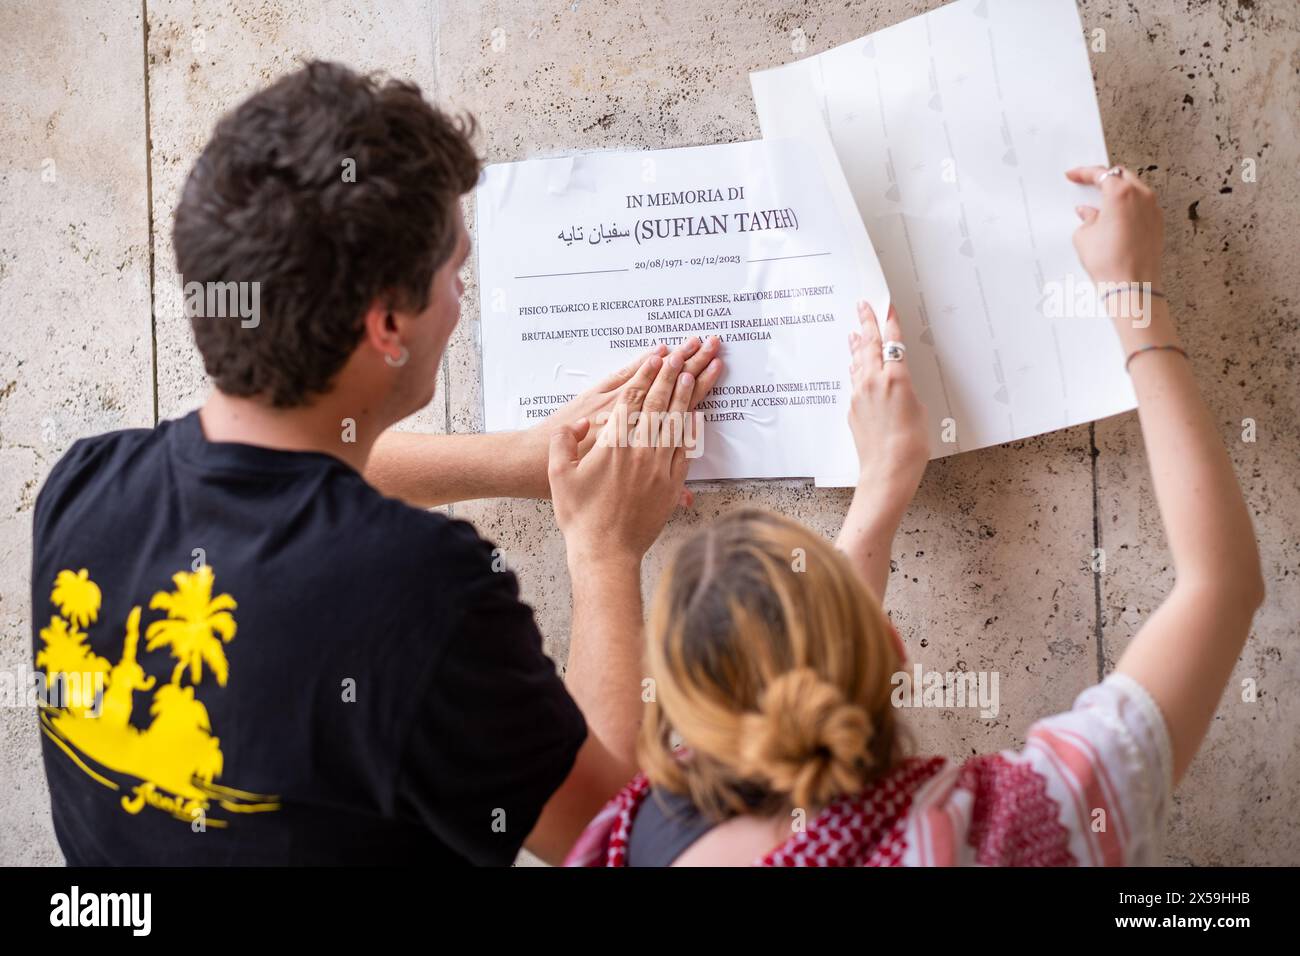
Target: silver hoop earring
(400, 360)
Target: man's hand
(430, 470)
(612, 502)
(699, 359)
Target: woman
(773, 737)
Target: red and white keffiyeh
(1090, 788)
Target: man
(294, 667)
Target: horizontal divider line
(806, 255)
(551, 275)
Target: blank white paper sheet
(953, 131)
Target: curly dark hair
(329, 189)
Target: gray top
(664, 826)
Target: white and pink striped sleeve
(1090, 788)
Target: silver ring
(1113, 171)
(892, 351)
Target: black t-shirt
(294, 668)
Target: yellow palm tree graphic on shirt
(176, 758)
(65, 654)
(77, 597)
(196, 625)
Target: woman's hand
(612, 502)
(1185, 653)
(888, 424)
(1123, 240)
(887, 419)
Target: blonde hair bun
(807, 741)
(773, 674)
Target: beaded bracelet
(1148, 348)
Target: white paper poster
(954, 130)
(587, 261)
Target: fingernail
(674, 361)
(655, 360)
(684, 379)
(712, 365)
